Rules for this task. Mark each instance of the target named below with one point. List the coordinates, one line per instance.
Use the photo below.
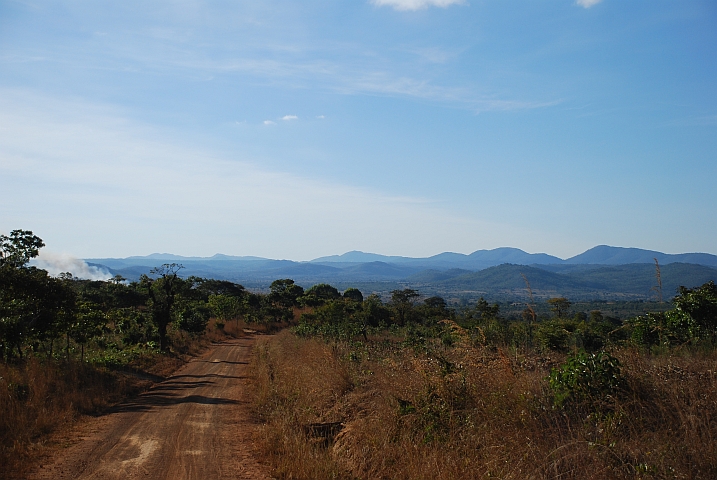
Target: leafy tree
(283, 296)
(285, 292)
(483, 310)
(560, 306)
(18, 248)
(133, 325)
(374, 313)
(698, 308)
(193, 317)
(32, 304)
(208, 287)
(318, 295)
(402, 302)
(163, 292)
(252, 307)
(353, 294)
(434, 309)
(225, 307)
(88, 323)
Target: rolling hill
(601, 272)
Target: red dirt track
(194, 425)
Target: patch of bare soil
(196, 424)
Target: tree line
(39, 312)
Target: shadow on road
(179, 385)
(221, 361)
(208, 375)
(150, 401)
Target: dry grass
(466, 412)
(37, 397)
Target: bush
(587, 377)
(194, 319)
(553, 335)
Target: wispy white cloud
(154, 191)
(361, 78)
(587, 3)
(288, 118)
(413, 5)
(382, 83)
(269, 122)
(320, 117)
(348, 68)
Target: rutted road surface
(194, 425)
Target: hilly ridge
(601, 272)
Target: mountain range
(601, 272)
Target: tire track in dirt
(196, 424)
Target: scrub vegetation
(412, 389)
(357, 386)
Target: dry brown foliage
(471, 412)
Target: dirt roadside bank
(196, 424)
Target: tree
(485, 311)
(402, 302)
(353, 294)
(88, 323)
(163, 292)
(559, 306)
(209, 287)
(193, 316)
(434, 309)
(225, 307)
(32, 304)
(319, 294)
(374, 313)
(18, 248)
(285, 292)
(699, 304)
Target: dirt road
(195, 425)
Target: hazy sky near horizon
(294, 130)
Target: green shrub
(587, 377)
(552, 335)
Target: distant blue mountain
(605, 255)
(178, 258)
(357, 257)
(499, 256)
(477, 260)
(600, 271)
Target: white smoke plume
(57, 263)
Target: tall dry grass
(38, 396)
(464, 412)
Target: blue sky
(294, 130)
